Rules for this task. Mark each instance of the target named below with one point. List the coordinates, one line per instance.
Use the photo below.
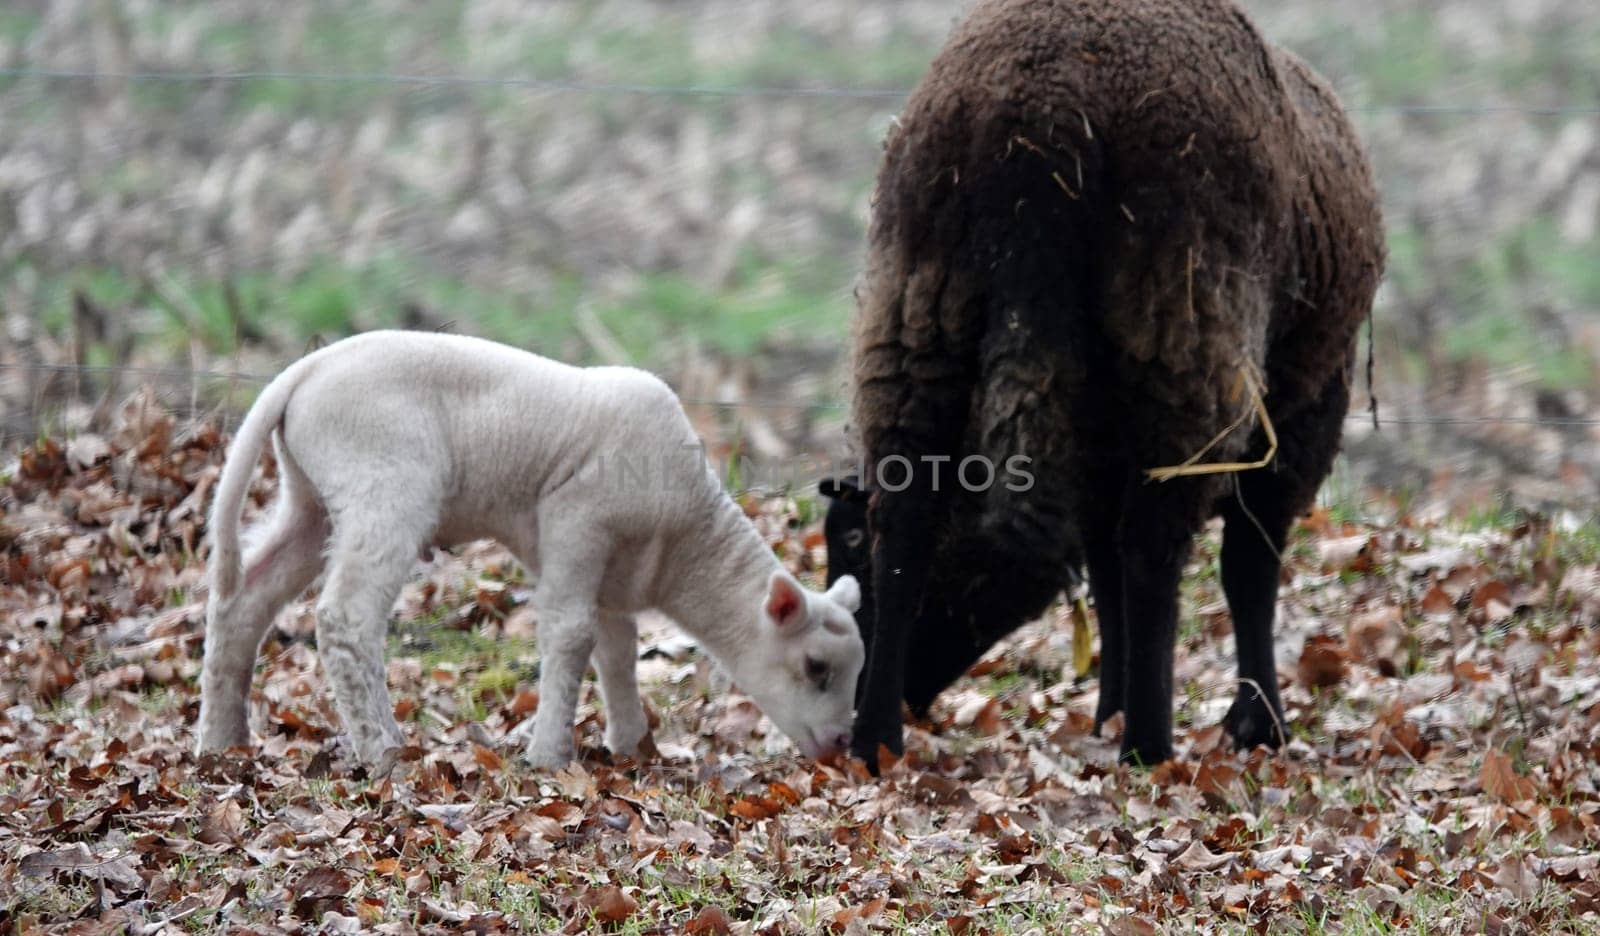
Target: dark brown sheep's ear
(839, 489)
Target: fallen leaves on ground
(1442, 685)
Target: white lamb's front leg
(616, 655)
(567, 607)
(567, 632)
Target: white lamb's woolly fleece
(390, 442)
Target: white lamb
(391, 442)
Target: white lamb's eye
(855, 538)
(818, 672)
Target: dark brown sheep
(1099, 223)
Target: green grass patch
(329, 301)
(586, 43)
(1409, 61)
(17, 25)
(1499, 294)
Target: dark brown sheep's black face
(965, 612)
(844, 529)
(946, 642)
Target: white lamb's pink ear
(786, 603)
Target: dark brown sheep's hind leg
(1105, 586)
(1257, 513)
(1154, 539)
(1256, 517)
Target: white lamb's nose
(842, 741)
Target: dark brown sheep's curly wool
(1093, 217)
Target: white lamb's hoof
(204, 745)
(626, 741)
(549, 759)
(214, 739)
(384, 763)
(202, 749)
(376, 747)
(630, 751)
(378, 758)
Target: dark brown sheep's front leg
(1153, 539)
(1105, 586)
(902, 553)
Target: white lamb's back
(504, 425)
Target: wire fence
(192, 378)
(195, 376)
(566, 86)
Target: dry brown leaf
(710, 921)
(755, 808)
(223, 824)
(51, 673)
(609, 904)
(1131, 925)
(1199, 858)
(843, 919)
(1376, 637)
(486, 758)
(1501, 780)
(1323, 663)
(1491, 591)
(1347, 553)
(738, 721)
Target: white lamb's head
(804, 662)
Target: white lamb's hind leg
(280, 565)
(371, 557)
(616, 655)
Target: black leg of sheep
(900, 565)
(1154, 541)
(1257, 516)
(1105, 587)
(1257, 519)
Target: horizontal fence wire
(192, 376)
(560, 86)
(563, 86)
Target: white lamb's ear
(846, 592)
(786, 602)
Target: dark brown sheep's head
(946, 640)
(844, 530)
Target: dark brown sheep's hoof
(1252, 720)
(1103, 713)
(1148, 754)
(871, 746)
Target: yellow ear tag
(1082, 642)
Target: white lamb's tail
(228, 504)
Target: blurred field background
(192, 193)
